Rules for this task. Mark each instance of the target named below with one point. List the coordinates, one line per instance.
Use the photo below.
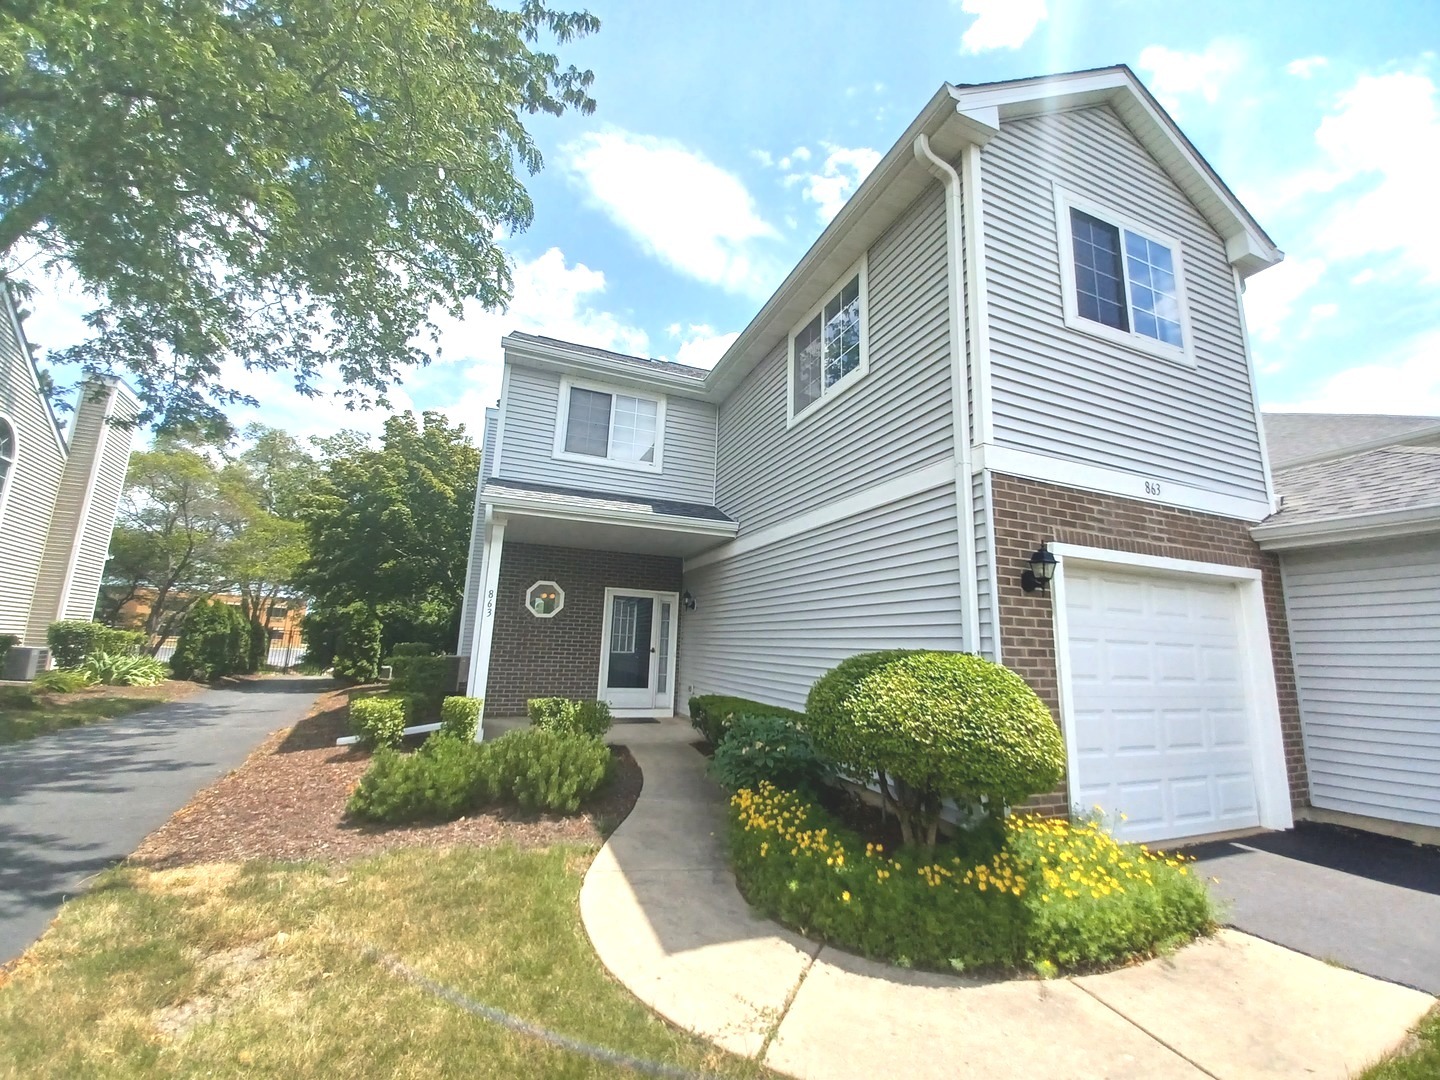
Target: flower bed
(1047, 895)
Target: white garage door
(1159, 706)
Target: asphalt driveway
(75, 802)
(1370, 903)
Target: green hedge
(71, 641)
(214, 641)
(450, 776)
(425, 679)
(7, 642)
(380, 720)
(412, 648)
(712, 714)
(767, 748)
(460, 716)
(1046, 895)
(356, 630)
(590, 718)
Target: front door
(637, 653)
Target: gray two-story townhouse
(1020, 342)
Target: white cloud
(1174, 74)
(840, 174)
(763, 157)
(1271, 297)
(1406, 383)
(1307, 66)
(1000, 24)
(1324, 311)
(679, 207)
(700, 345)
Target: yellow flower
(845, 896)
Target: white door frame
(663, 705)
(1272, 782)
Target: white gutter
(959, 394)
(566, 512)
(1349, 529)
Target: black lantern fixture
(688, 601)
(1041, 572)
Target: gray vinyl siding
(984, 582)
(1066, 394)
(531, 408)
(25, 516)
(894, 420)
(477, 536)
(1365, 634)
(769, 622)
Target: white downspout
(959, 395)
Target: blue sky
(727, 135)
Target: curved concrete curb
(666, 919)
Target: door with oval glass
(637, 652)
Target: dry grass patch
(24, 714)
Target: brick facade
(560, 656)
(1027, 512)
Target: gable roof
(1296, 437)
(668, 367)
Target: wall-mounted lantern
(1041, 571)
(688, 600)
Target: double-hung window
(1122, 281)
(9, 451)
(829, 349)
(606, 425)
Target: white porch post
(485, 617)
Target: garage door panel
(1160, 714)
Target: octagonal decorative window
(544, 599)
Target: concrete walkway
(74, 802)
(665, 917)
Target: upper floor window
(829, 350)
(8, 452)
(623, 429)
(1122, 281)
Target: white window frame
(1132, 338)
(562, 421)
(829, 393)
(7, 481)
(559, 600)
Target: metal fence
(280, 656)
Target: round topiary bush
(928, 726)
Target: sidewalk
(664, 915)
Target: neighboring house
(58, 490)
(284, 619)
(1024, 329)
(1358, 536)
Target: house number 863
(1152, 487)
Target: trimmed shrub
(1049, 896)
(766, 748)
(547, 770)
(379, 720)
(425, 679)
(120, 669)
(930, 726)
(444, 779)
(72, 640)
(412, 648)
(7, 642)
(357, 643)
(712, 714)
(576, 717)
(460, 716)
(61, 681)
(214, 642)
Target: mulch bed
(287, 801)
(169, 690)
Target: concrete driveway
(75, 802)
(1370, 903)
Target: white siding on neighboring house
(92, 549)
(25, 513)
(1365, 634)
(1065, 394)
(894, 420)
(769, 622)
(477, 535)
(531, 407)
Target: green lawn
(261, 969)
(1422, 1062)
(23, 715)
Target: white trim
(7, 479)
(485, 622)
(1272, 781)
(562, 419)
(1270, 496)
(559, 593)
(1132, 338)
(568, 512)
(959, 396)
(994, 566)
(977, 285)
(22, 346)
(414, 729)
(657, 708)
(477, 526)
(871, 498)
(829, 393)
(500, 430)
(1107, 481)
(1384, 525)
(78, 541)
(621, 370)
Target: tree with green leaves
(288, 185)
(389, 527)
